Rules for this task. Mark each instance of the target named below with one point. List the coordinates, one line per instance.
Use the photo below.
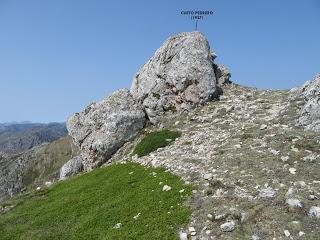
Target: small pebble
(166, 188)
(286, 233)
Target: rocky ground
(256, 170)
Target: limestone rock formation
(310, 112)
(72, 167)
(180, 75)
(103, 127)
(223, 74)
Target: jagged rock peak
(181, 74)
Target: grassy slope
(89, 206)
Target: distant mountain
(19, 137)
(34, 167)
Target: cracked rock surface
(310, 112)
(179, 76)
(103, 127)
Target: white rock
(289, 192)
(137, 216)
(284, 158)
(267, 193)
(38, 188)
(255, 237)
(314, 212)
(292, 202)
(292, 170)
(210, 216)
(263, 127)
(228, 226)
(166, 188)
(183, 236)
(286, 233)
(301, 234)
(208, 176)
(48, 183)
(118, 225)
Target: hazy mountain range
(19, 137)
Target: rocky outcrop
(103, 127)
(71, 168)
(179, 76)
(223, 75)
(310, 112)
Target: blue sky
(58, 56)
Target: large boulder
(310, 112)
(71, 168)
(103, 127)
(180, 75)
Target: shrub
(154, 140)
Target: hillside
(30, 169)
(19, 137)
(185, 153)
(120, 202)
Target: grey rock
(310, 112)
(267, 193)
(103, 127)
(180, 75)
(71, 168)
(223, 74)
(228, 226)
(292, 202)
(255, 237)
(314, 212)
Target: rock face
(180, 75)
(310, 112)
(70, 168)
(223, 74)
(103, 127)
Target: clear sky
(57, 56)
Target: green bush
(90, 206)
(154, 140)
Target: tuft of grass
(91, 205)
(154, 140)
(172, 108)
(156, 95)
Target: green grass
(89, 206)
(154, 140)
